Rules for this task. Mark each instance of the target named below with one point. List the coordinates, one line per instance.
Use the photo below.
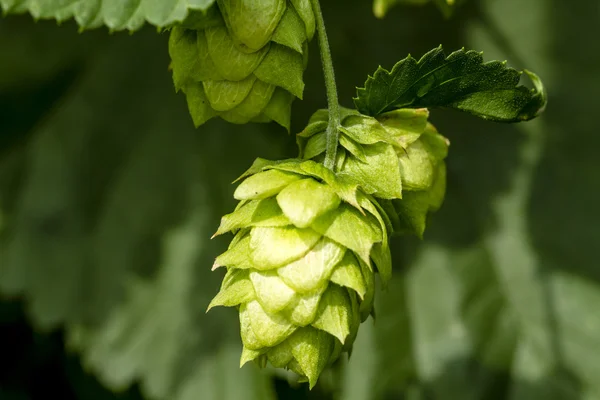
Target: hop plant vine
(311, 233)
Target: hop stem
(332, 96)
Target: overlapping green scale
(243, 60)
(397, 157)
(301, 266)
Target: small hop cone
(397, 157)
(301, 265)
(243, 60)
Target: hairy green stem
(332, 96)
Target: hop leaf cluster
(308, 240)
(301, 266)
(243, 60)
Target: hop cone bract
(397, 157)
(243, 60)
(301, 265)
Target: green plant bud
(243, 60)
(397, 157)
(301, 267)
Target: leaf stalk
(332, 132)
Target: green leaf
(274, 247)
(304, 309)
(190, 64)
(348, 274)
(271, 292)
(334, 315)
(281, 355)
(354, 148)
(355, 323)
(255, 213)
(315, 145)
(198, 104)
(270, 329)
(412, 210)
(345, 188)
(291, 31)
(365, 130)
(436, 144)
(283, 67)
(253, 105)
(305, 200)
(379, 174)
(231, 63)
(264, 184)
(461, 81)
(347, 226)
(405, 125)
(115, 14)
(279, 108)
(312, 349)
(304, 9)
(237, 256)
(249, 355)
(312, 271)
(236, 289)
(262, 164)
(416, 167)
(225, 95)
(381, 250)
(251, 22)
(249, 338)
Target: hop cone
(301, 265)
(397, 157)
(243, 60)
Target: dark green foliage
(100, 162)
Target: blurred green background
(108, 198)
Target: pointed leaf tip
(311, 349)
(249, 355)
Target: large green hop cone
(301, 265)
(397, 157)
(243, 60)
